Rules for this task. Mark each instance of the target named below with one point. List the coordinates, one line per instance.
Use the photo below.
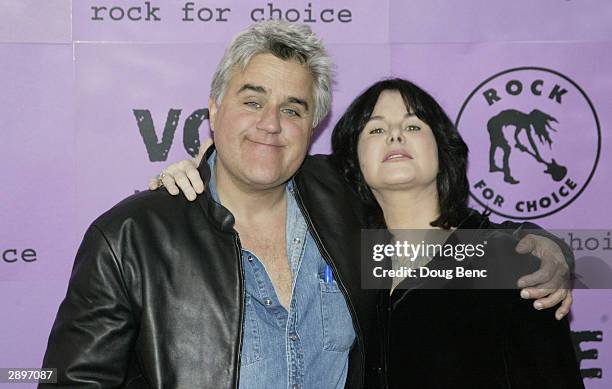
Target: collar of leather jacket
(222, 217)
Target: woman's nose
(395, 135)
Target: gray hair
(285, 41)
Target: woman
(408, 163)
(401, 153)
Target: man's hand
(183, 174)
(549, 284)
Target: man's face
(263, 126)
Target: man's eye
(291, 112)
(252, 104)
(413, 128)
(377, 131)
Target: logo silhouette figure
(536, 122)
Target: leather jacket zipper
(242, 307)
(329, 261)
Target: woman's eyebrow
(380, 117)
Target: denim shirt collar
(212, 183)
(295, 228)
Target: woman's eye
(412, 128)
(377, 130)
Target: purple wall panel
(436, 21)
(37, 200)
(73, 145)
(29, 309)
(35, 21)
(38, 159)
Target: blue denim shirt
(308, 345)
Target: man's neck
(250, 206)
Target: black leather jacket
(156, 295)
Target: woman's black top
(474, 338)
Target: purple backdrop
(74, 72)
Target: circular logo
(534, 140)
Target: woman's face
(396, 149)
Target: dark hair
(452, 182)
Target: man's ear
(212, 113)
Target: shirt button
(296, 240)
(296, 386)
(250, 258)
(268, 301)
(293, 337)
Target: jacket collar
(221, 216)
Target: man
(255, 285)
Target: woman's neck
(412, 208)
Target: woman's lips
(396, 156)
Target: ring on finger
(160, 178)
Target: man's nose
(269, 120)
(395, 134)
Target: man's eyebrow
(296, 100)
(252, 88)
(262, 90)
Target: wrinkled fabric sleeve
(93, 334)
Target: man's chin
(266, 181)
